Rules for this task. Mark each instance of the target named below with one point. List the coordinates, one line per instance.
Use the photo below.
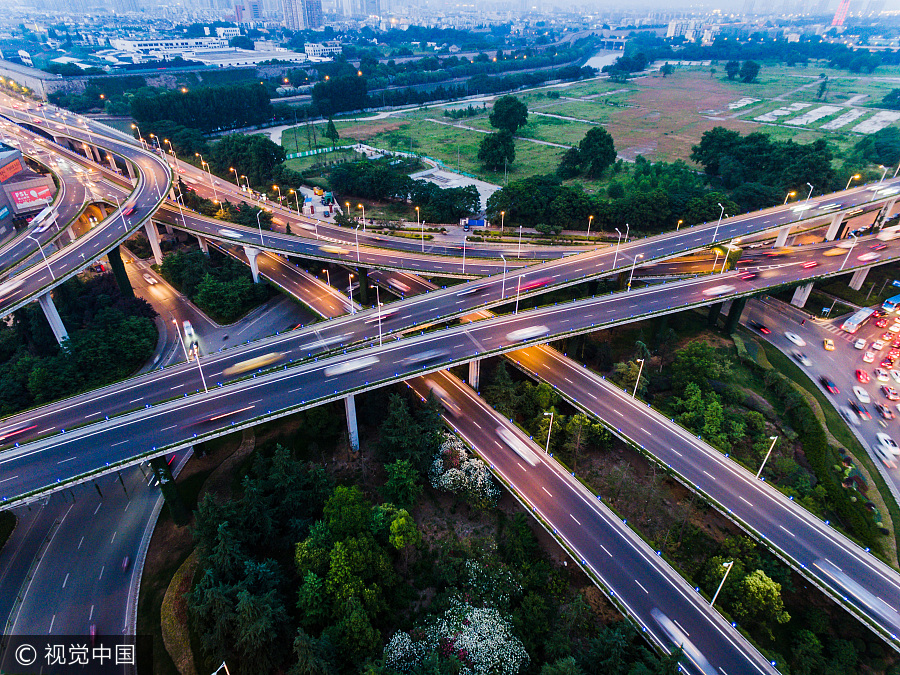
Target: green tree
(758, 602)
(570, 164)
(404, 532)
(497, 150)
(807, 655)
(502, 392)
(313, 656)
(402, 486)
(400, 434)
(891, 100)
(597, 151)
(749, 71)
(331, 132)
(732, 68)
(509, 114)
(346, 512)
(667, 69)
(626, 375)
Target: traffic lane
(788, 527)
(638, 578)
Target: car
(882, 323)
(535, 283)
(796, 339)
(894, 328)
(336, 250)
(230, 233)
(398, 285)
(860, 343)
(149, 278)
(126, 561)
(862, 376)
(834, 251)
(129, 211)
(760, 327)
(894, 354)
(881, 375)
(527, 333)
(895, 375)
(424, 357)
(869, 357)
(382, 316)
(350, 366)
(888, 443)
(887, 364)
(868, 257)
(878, 345)
(254, 363)
(810, 264)
(878, 247)
(442, 395)
(862, 395)
(829, 385)
(850, 416)
(890, 393)
(718, 290)
(748, 276)
(188, 328)
(886, 458)
(802, 358)
(519, 446)
(470, 289)
(887, 336)
(859, 409)
(828, 344)
(884, 411)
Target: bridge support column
(352, 428)
(203, 245)
(783, 233)
(475, 373)
(130, 167)
(95, 155)
(712, 319)
(112, 162)
(53, 318)
(153, 238)
(251, 254)
(168, 487)
(734, 314)
(71, 232)
(801, 295)
(885, 212)
(363, 285)
(118, 269)
(834, 227)
(859, 276)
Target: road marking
(835, 566)
(676, 452)
(787, 530)
(63, 461)
(545, 490)
(51, 624)
(619, 412)
(127, 504)
(642, 588)
(175, 387)
(644, 430)
(171, 427)
(520, 466)
(710, 475)
(91, 614)
(98, 578)
(98, 508)
(574, 518)
(605, 551)
(82, 540)
(681, 627)
(745, 501)
(137, 399)
(66, 580)
(882, 599)
(113, 537)
(476, 424)
(119, 443)
(10, 478)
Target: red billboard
(31, 196)
(10, 170)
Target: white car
(149, 278)
(868, 357)
(850, 416)
(894, 327)
(886, 457)
(878, 345)
(860, 343)
(350, 366)
(229, 233)
(888, 443)
(895, 375)
(718, 290)
(796, 339)
(188, 328)
(868, 257)
(881, 375)
(527, 333)
(862, 395)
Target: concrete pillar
(352, 428)
(801, 295)
(734, 314)
(712, 319)
(859, 276)
(885, 212)
(53, 318)
(153, 236)
(169, 489)
(203, 245)
(130, 167)
(783, 233)
(363, 285)
(71, 232)
(251, 254)
(169, 229)
(475, 373)
(94, 154)
(833, 228)
(111, 161)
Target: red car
(890, 393)
(887, 364)
(862, 376)
(887, 336)
(881, 323)
(878, 247)
(811, 263)
(543, 281)
(748, 276)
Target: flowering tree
(455, 470)
(480, 638)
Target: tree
(891, 100)
(502, 393)
(331, 132)
(400, 435)
(806, 652)
(241, 42)
(402, 486)
(732, 68)
(597, 151)
(749, 71)
(758, 602)
(497, 150)
(626, 374)
(509, 114)
(667, 69)
(570, 164)
(340, 94)
(404, 532)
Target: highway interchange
(462, 343)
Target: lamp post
(788, 196)
(633, 263)
(678, 226)
(727, 567)
(246, 181)
(850, 180)
(347, 209)
(259, 224)
(296, 200)
(896, 170)
(502, 215)
(715, 262)
(357, 243)
(41, 249)
(140, 136)
(724, 260)
(178, 200)
(627, 227)
(716, 233)
(883, 173)
(809, 194)
(519, 254)
(363, 207)
(518, 290)
(849, 250)
(327, 278)
(350, 293)
(237, 181)
(590, 218)
(765, 459)
(503, 287)
(378, 302)
(220, 668)
(549, 429)
(420, 225)
(275, 187)
(618, 241)
(211, 184)
(638, 380)
(464, 254)
(122, 213)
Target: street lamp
(140, 136)
(41, 249)
(236, 179)
(773, 439)
(627, 227)
(357, 242)
(633, 263)
(590, 218)
(419, 224)
(518, 290)
(296, 199)
(849, 250)
(850, 180)
(883, 174)
(678, 226)
(246, 181)
(464, 254)
(638, 380)
(716, 233)
(618, 241)
(363, 207)
(519, 254)
(350, 293)
(259, 224)
(502, 214)
(378, 302)
(212, 185)
(788, 196)
(503, 287)
(727, 567)
(275, 187)
(549, 429)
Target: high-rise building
(292, 14)
(312, 13)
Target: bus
(852, 324)
(891, 304)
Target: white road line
(95, 510)
(91, 614)
(66, 580)
(82, 539)
(605, 551)
(119, 443)
(710, 475)
(681, 627)
(642, 588)
(63, 461)
(10, 478)
(744, 500)
(545, 490)
(574, 518)
(787, 530)
(113, 537)
(51, 624)
(520, 466)
(644, 430)
(676, 452)
(100, 577)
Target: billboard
(10, 170)
(31, 196)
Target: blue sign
(825, 310)
(4, 212)
(895, 282)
